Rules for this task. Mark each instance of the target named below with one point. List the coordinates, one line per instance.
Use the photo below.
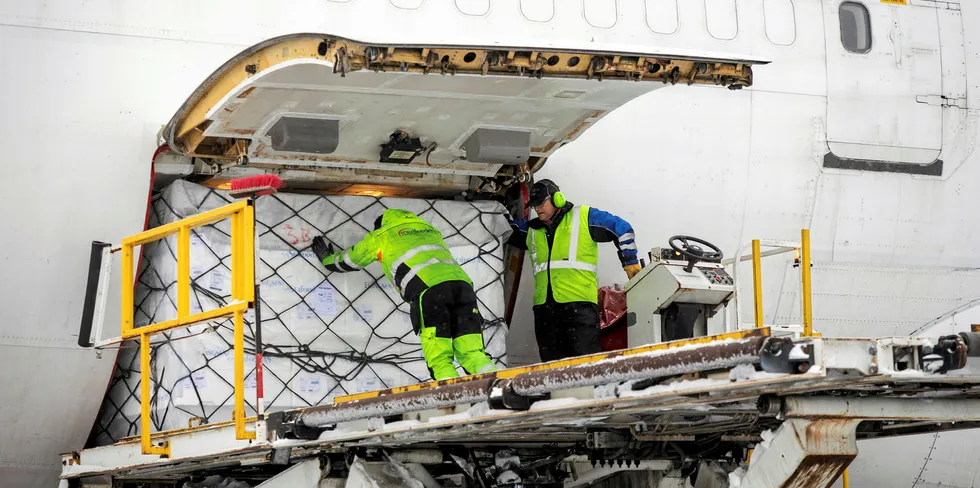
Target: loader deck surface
(704, 390)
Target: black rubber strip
(91, 293)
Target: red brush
(255, 186)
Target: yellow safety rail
(757, 280)
(777, 247)
(805, 272)
(242, 218)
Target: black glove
(321, 248)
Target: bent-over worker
(443, 305)
(563, 241)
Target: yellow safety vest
(571, 265)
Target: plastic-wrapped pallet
(325, 334)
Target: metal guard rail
(242, 216)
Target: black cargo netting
(324, 334)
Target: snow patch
(760, 448)
(747, 372)
(508, 478)
(376, 423)
(481, 409)
(735, 478)
(603, 392)
(83, 468)
(557, 403)
(674, 387)
(574, 378)
(702, 408)
(402, 424)
(908, 373)
(932, 362)
(579, 422)
(332, 434)
(798, 353)
(288, 442)
(506, 459)
(767, 436)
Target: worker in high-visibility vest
(443, 305)
(563, 241)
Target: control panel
(717, 276)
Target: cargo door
(883, 67)
(350, 117)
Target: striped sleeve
(606, 227)
(356, 258)
(518, 238)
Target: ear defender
(558, 198)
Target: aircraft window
(538, 10)
(721, 18)
(475, 8)
(601, 13)
(780, 18)
(855, 27)
(662, 16)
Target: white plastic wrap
(325, 334)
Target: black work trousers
(566, 330)
(447, 319)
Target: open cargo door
(348, 117)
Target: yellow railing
(242, 218)
(805, 272)
(776, 247)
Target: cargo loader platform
(681, 403)
(752, 407)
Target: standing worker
(563, 241)
(443, 305)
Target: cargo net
(324, 334)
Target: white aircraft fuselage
(860, 124)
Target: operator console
(716, 275)
(673, 297)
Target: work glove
(631, 270)
(321, 248)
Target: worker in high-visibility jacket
(443, 305)
(563, 241)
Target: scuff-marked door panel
(363, 111)
(882, 59)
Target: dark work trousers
(566, 330)
(447, 319)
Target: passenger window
(855, 27)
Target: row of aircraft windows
(662, 17)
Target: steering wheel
(695, 253)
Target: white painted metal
(903, 62)
(831, 443)
(214, 444)
(663, 283)
(667, 282)
(905, 298)
(711, 475)
(105, 76)
(305, 474)
(938, 410)
(444, 110)
(391, 474)
(196, 449)
(102, 295)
